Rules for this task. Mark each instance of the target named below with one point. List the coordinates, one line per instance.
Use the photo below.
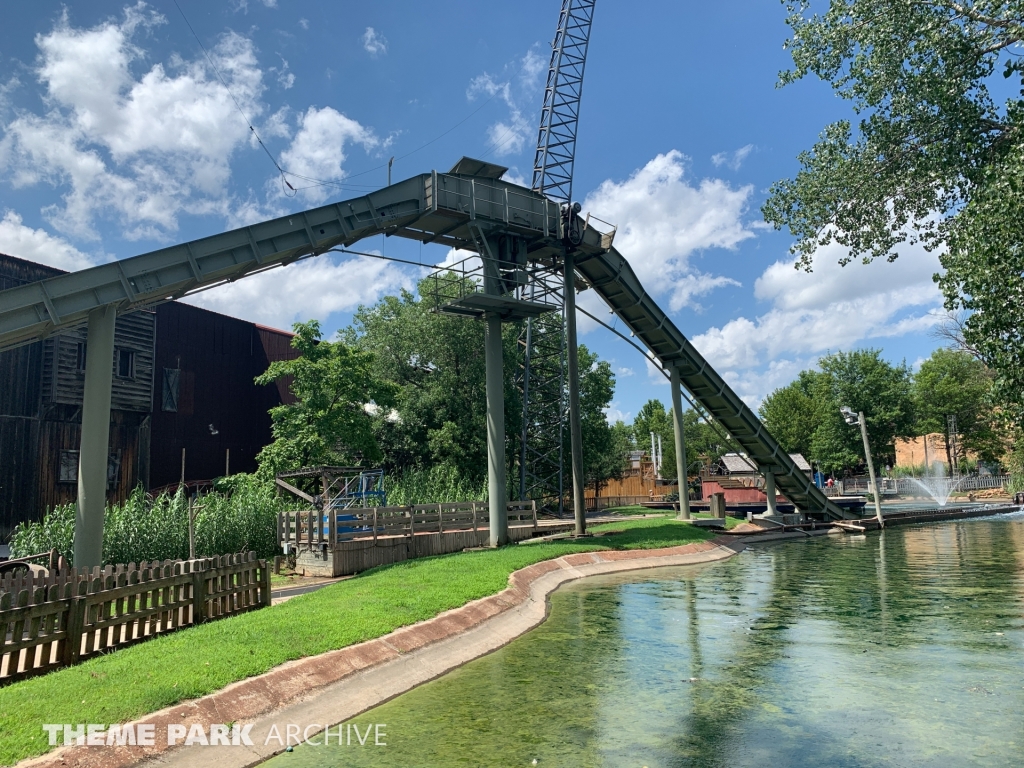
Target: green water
(898, 649)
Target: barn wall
(216, 359)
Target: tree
(436, 362)
(329, 423)
(952, 383)
(935, 158)
(791, 412)
(602, 459)
(804, 416)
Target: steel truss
(556, 139)
(542, 388)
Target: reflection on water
(904, 648)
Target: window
(80, 357)
(68, 472)
(126, 364)
(172, 377)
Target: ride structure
(529, 242)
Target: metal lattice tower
(542, 376)
(556, 139)
(541, 383)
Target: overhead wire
(341, 184)
(238, 106)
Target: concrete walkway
(323, 690)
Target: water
(904, 648)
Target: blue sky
(117, 137)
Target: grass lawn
(191, 663)
(632, 509)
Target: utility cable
(238, 106)
(700, 411)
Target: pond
(904, 648)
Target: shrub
(441, 483)
(239, 516)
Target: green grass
(191, 663)
(633, 509)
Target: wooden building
(738, 478)
(183, 378)
(41, 387)
(206, 401)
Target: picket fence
(60, 618)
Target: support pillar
(93, 450)
(496, 490)
(769, 489)
(573, 373)
(677, 428)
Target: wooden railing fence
(332, 527)
(58, 619)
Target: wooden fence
(57, 619)
(314, 528)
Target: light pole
(854, 419)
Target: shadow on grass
(664, 534)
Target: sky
(124, 127)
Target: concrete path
(323, 690)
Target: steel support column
(769, 489)
(495, 432)
(573, 374)
(677, 428)
(92, 456)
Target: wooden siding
(65, 384)
(63, 432)
(218, 357)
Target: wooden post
(264, 584)
(198, 593)
(375, 526)
(191, 531)
(227, 462)
(183, 467)
(440, 518)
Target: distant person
(830, 483)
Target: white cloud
(243, 5)
(304, 23)
(613, 414)
(732, 160)
(510, 136)
(374, 43)
(285, 78)
(829, 309)
(318, 149)
(624, 371)
(663, 219)
(17, 239)
(313, 288)
(138, 150)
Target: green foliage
(954, 383)
(603, 458)
(915, 470)
(438, 427)
(436, 363)
(804, 416)
(440, 483)
(702, 437)
(329, 423)
(934, 158)
(157, 529)
(984, 274)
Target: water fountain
(937, 485)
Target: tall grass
(440, 483)
(241, 517)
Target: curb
(339, 685)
